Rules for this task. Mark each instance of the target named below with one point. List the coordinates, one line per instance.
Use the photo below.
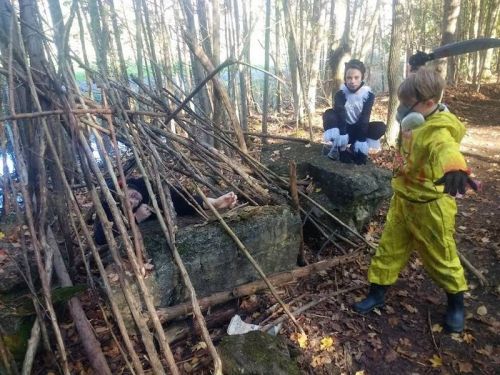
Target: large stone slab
(352, 192)
(212, 259)
(256, 353)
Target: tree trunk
(394, 72)
(118, 43)
(313, 54)
(202, 98)
(451, 11)
(292, 63)
(369, 35)
(242, 69)
(218, 86)
(218, 115)
(267, 52)
(341, 54)
(490, 10)
(277, 54)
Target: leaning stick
(482, 280)
(271, 136)
(167, 226)
(167, 314)
(307, 306)
(244, 250)
(296, 206)
(90, 344)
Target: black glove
(456, 181)
(419, 59)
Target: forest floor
(405, 336)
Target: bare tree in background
(394, 71)
(451, 11)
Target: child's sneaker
(360, 158)
(334, 153)
(345, 157)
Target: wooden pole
(301, 258)
(167, 314)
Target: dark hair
(355, 64)
(139, 185)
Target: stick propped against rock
(170, 313)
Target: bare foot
(228, 200)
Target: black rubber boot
(373, 300)
(345, 157)
(454, 319)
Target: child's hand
(456, 182)
(142, 213)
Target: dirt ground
(406, 336)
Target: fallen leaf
(468, 338)
(393, 321)
(199, 346)
(437, 328)
(149, 266)
(465, 367)
(405, 341)
(436, 361)
(487, 350)
(409, 308)
(389, 309)
(391, 356)
(482, 310)
(2, 235)
(101, 329)
(326, 343)
(457, 337)
(300, 338)
(321, 359)
(402, 293)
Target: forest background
(159, 77)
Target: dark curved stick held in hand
(453, 49)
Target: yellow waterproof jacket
(428, 152)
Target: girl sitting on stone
(348, 122)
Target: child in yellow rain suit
(422, 211)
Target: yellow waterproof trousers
(427, 228)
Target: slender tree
(267, 42)
(394, 71)
(451, 11)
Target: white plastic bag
(239, 327)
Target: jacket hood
(449, 121)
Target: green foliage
(11, 305)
